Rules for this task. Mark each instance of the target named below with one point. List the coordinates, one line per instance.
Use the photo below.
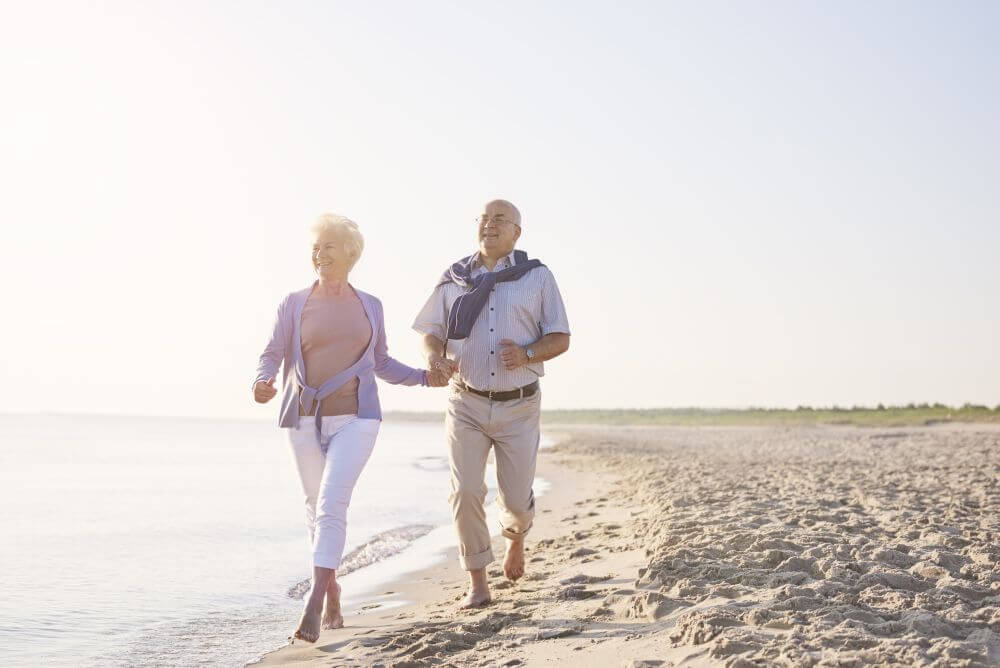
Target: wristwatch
(530, 353)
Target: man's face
(497, 231)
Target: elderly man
(494, 317)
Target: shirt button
(492, 374)
(491, 352)
(491, 329)
(491, 308)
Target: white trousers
(328, 479)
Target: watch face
(529, 352)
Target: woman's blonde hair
(346, 228)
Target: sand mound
(824, 542)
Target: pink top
(335, 334)
(284, 351)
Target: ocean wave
(379, 547)
(431, 463)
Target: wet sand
(825, 546)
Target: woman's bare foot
(513, 562)
(309, 624)
(332, 616)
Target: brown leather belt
(525, 391)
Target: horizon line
(835, 408)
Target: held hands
(263, 391)
(440, 370)
(512, 355)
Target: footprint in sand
(575, 593)
(559, 632)
(584, 579)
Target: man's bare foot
(475, 599)
(332, 616)
(309, 624)
(479, 590)
(513, 561)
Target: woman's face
(329, 257)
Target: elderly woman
(330, 340)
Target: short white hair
(354, 243)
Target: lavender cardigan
(285, 350)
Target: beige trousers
(473, 425)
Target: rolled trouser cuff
(512, 534)
(473, 562)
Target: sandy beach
(661, 546)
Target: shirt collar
(505, 262)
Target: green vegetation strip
(880, 416)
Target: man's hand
(263, 391)
(436, 379)
(512, 355)
(440, 370)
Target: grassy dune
(881, 416)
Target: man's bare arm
(549, 346)
(433, 348)
(545, 348)
(439, 367)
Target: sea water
(131, 541)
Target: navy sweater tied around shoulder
(469, 305)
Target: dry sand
(827, 546)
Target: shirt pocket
(525, 305)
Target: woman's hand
(263, 391)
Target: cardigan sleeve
(387, 367)
(274, 352)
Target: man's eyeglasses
(496, 220)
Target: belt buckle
(489, 395)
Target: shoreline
(728, 546)
(405, 596)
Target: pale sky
(768, 203)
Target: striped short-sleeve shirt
(523, 311)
